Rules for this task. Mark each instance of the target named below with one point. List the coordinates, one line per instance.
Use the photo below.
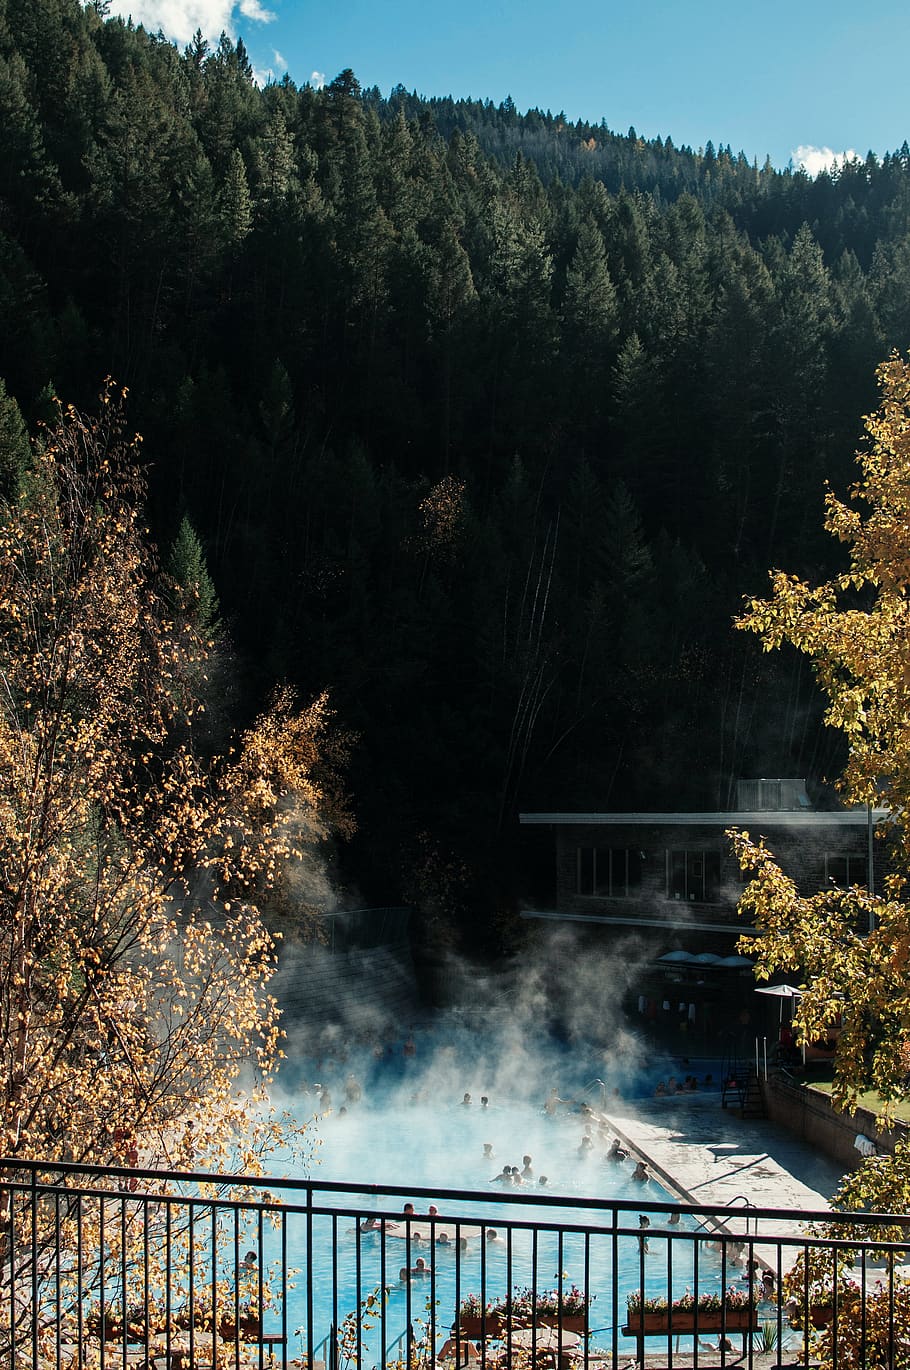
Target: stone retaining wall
(809, 1113)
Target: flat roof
(773, 818)
(633, 921)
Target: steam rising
(553, 1020)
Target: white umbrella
(781, 992)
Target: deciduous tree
(135, 1018)
(852, 948)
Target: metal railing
(115, 1268)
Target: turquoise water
(441, 1143)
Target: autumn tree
(852, 948)
(135, 1018)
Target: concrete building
(672, 881)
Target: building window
(845, 870)
(609, 872)
(693, 875)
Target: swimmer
(644, 1222)
(466, 1101)
(371, 1225)
(419, 1268)
(352, 1090)
(493, 1236)
(640, 1172)
(616, 1152)
(484, 1101)
(552, 1101)
(527, 1173)
(586, 1145)
(504, 1176)
(516, 1178)
(408, 1211)
(442, 1239)
(767, 1285)
(248, 1264)
(542, 1182)
(488, 1152)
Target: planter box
(250, 1328)
(686, 1322)
(471, 1325)
(495, 1325)
(137, 1334)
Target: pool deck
(708, 1155)
(705, 1154)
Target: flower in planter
(649, 1304)
(545, 1303)
(471, 1307)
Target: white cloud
(179, 19)
(317, 79)
(816, 159)
(251, 9)
(279, 61)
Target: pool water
(441, 1143)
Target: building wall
(809, 855)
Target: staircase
(741, 1089)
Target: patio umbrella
(781, 992)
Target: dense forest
(485, 421)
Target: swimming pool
(439, 1144)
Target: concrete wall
(810, 1114)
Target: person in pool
(542, 1182)
(504, 1176)
(615, 1151)
(641, 1172)
(527, 1173)
(488, 1152)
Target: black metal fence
(115, 1268)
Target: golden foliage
(442, 515)
(852, 950)
(135, 963)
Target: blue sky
(770, 78)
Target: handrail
(406, 1334)
(328, 1339)
(592, 1085)
(747, 1202)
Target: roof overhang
(764, 818)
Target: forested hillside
(486, 421)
